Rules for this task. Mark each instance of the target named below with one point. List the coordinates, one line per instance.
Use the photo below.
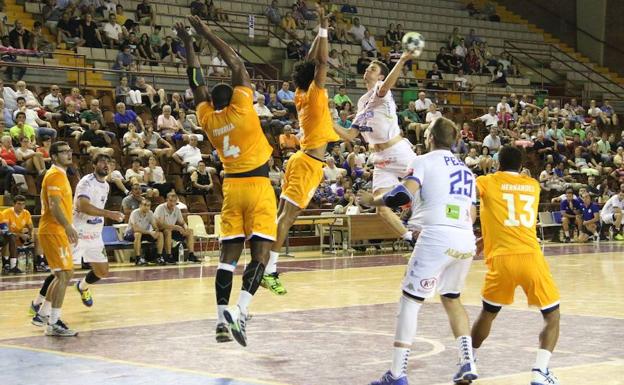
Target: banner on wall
(251, 21)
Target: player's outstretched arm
(319, 51)
(394, 75)
(399, 196)
(194, 72)
(346, 134)
(240, 76)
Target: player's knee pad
(451, 295)
(488, 307)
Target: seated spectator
(76, 98)
(171, 223)
(124, 58)
(446, 62)
(219, 67)
(145, 51)
(434, 74)
(492, 141)
(490, 119)
(570, 212)
(68, 31)
(343, 119)
(145, 13)
(133, 143)
(286, 97)
(580, 163)
(8, 163)
(604, 147)
(32, 119)
(124, 117)
(549, 181)
(142, 226)
(44, 149)
(201, 179)
(20, 224)
(472, 160)
(39, 41)
(30, 159)
(132, 201)
(6, 117)
(288, 143)
(113, 31)
(90, 33)
(356, 33)
(189, 155)
(432, 114)
(486, 162)
(168, 126)
(155, 177)
(499, 76)
(407, 79)
(54, 101)
(362, 63)
(504, 111)
(368, 44)
(453, 39)
(342, 96)
(21, 129)
(273, 14)
(590, 217)
(69, 121)
(51, 14)
(20, 37)
(330, 172)
(171, 52)
(392, 36)
(277, 109)
(155, 143)
(608, 113)
(96, 141)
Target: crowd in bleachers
(157, 144)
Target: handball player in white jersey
(442, 191)
(89, 213)
(377, 121)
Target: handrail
(560, 51)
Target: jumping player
(509, 206)
(227, 115)
(304, 171)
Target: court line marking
(614, 362)
(216, 376)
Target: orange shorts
(530, 271)
(303, 176)
(57, 251)
(249, 208)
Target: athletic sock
(408, 236)
(220, 316)
(12, 262)
(541, 360)
(55, 315)
(223, 288)
(271, 266)
(244, 299)
(45, 308)
(39, 300)
(464, 344)
(407, 322)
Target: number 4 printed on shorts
(230, 150)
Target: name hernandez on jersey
(376, 117)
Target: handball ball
(413, 42)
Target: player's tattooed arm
(240, 76)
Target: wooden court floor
(155, 326)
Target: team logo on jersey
(428, 284)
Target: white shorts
(438, 267)
(607, 218)
(90, 248)
(392, 164)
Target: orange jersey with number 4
(236, 133)
(314, 117)
(508, 213)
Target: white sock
(407, 236)
(465, 349)
(39, 300)
(12, 262)
(244, 299)
(567, 234)
(220, 310)
(474, 353)
(271, 266)
(542, 359)
(407, 322)
(45, 309)
(55, 315)
(83, 285)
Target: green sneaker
(273, 283)
(619, 237)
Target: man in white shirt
(262, 110)
(142, 226)
(171, 222)
(330, 171)
(422, 104)
(113, 31)
(490, 119)
(611, 213)
(357, 31)
(369, 45)
(492, 141)
(218, 67)
(54, 100)
(189, 155)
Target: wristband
(322, 32)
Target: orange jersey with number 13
(508, 213)
(235, 132)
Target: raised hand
(181, 31)
(198, 25)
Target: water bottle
(180, 252)
(21, 260)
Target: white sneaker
(59, 329)
(237, 322)
(541, 378)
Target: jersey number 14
(230, 149)
(526, 217)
